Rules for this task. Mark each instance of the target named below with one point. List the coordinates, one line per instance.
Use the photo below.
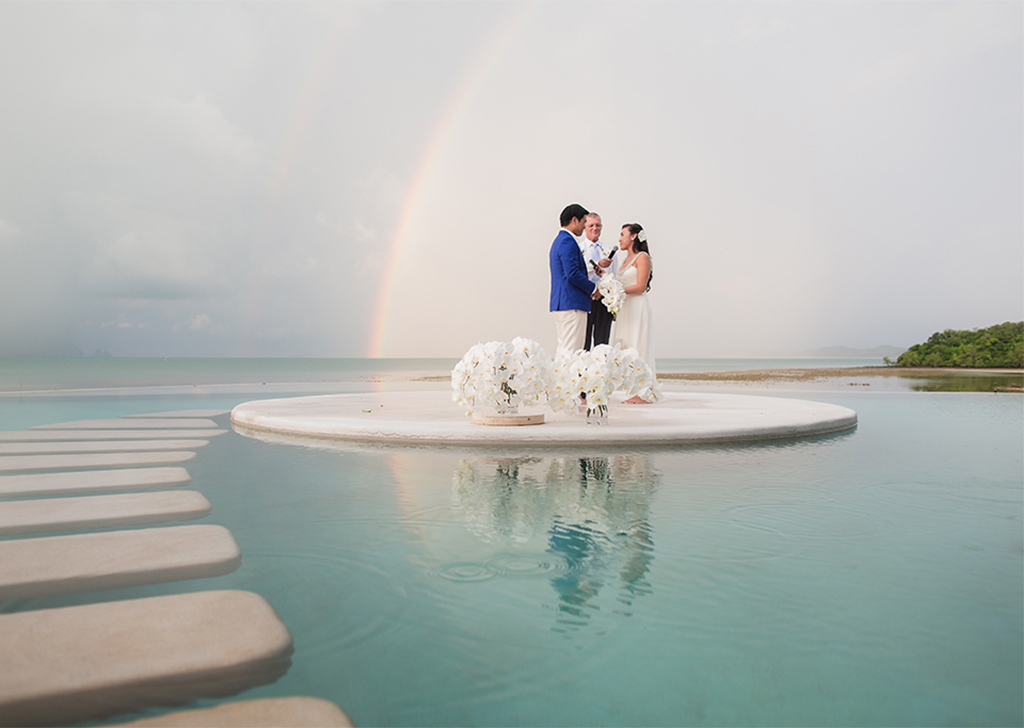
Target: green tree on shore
(999, 346)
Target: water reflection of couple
(590, 551)
(590, 514)
(581, 319)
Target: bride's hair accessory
(642, 236)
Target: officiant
(599, 320)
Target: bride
(632, 325)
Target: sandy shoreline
(812, 374)
(839, 378)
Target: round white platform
(432, 418)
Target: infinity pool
(870, 578)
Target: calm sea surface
(870, 578)
(19, 375)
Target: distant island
(998, 347)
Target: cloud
(235, 175)
(946, 35)
(150, 264)
(200, 322)
(204, 125)
(7, 230)
(356, 229)
(122, 322)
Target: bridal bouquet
(613, 293)
(501, 375)
(598, 373)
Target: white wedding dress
(632, 326)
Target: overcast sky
(352, 179)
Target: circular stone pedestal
(431, 418)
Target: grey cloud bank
(231, 179)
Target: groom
(571, 289)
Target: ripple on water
(526, 566)
(343, 586)
(465, 571)
(730, 547)
(505, 565)
(797, 520)
(913, 493)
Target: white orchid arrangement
(502, 375)
(639, 379)
(613, 293)
(598, 373)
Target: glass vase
(597, 415)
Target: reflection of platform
(431, 418)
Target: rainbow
(471, 82)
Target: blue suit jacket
(570, 287)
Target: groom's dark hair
(573, 210)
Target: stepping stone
(92, 481)
(55, 435)
(35, 567)
(100, 511)
(125, 423)
(81, 663)
(14, 463)
(262, 713)
(26, 448)
(185, 413)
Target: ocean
(874, 577)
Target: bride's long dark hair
(640, 246)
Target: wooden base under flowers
(507, 420)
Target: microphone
(609, 254)
(593, 263)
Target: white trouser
(572, 329)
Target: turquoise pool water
(871, 578)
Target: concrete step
(182, 413)
(60, 435)
(100, 511)
(87, 662)
(91, 481)
(297, 712)
(34, 567)
(16, 463)
(31, 448)
(125, 423)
